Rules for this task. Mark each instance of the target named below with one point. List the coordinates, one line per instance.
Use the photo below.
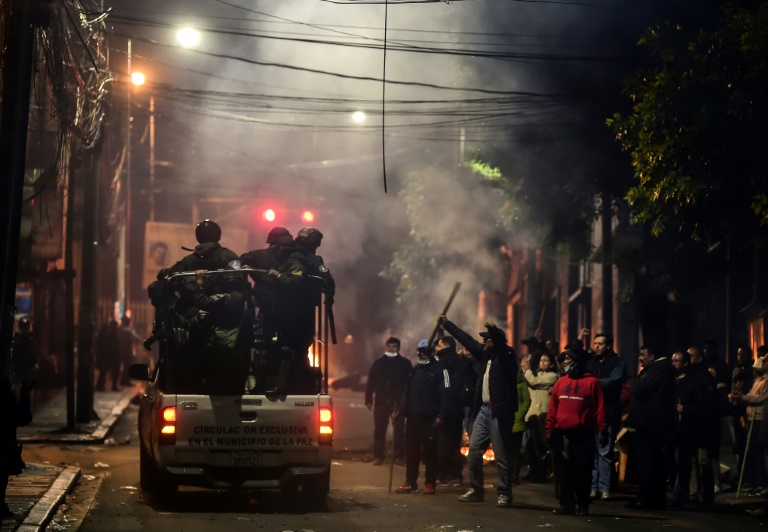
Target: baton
(443, 313)
(392, 460)
(746, 452)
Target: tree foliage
(697, 132)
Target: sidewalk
(35, 495)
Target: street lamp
(138, 78)
(359, 117)
(188, 37)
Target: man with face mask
(575, 416)
(611, 371)
(386, 382)
(425, 404)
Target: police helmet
(279, 235)
(310, 237)
(207, 231)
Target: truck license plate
(245, 460)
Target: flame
(313, 362)
(488, 456)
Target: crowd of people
(561, 414)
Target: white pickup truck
(234, 440)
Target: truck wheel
(152, 480)
(316, 488)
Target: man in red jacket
(575, 414)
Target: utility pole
(69, 299)
(88, 275)
(152, 158)
(18, 35)
(607, 263)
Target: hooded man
(493, 410)
(576, 414)
(425, 405)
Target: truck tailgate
(247, 422)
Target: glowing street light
(188, 37)
(269, 215)
(138, 78)
(358, 117)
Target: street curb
(45, 508)
(108, 422)
(98, 435)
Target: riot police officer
(270, 258)
(208, 254)
(297, 295)
(280, 247)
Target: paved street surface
(107, 496)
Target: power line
(325, 72)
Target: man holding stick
(494, 408)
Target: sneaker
(406, 488)
(593, 494)
(378, 461)
(472, 495)
(429, 489)
(605, 496)
(504, 501)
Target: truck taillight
(168, 426)
(326, 426)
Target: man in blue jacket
(494, 408)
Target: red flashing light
(307, 217)
(269, 215)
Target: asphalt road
(107, 497)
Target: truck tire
(315, 488)
(152, 481)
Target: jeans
(486, 430)
(601, 471)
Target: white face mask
(423, 360)
(567, 368)
(390, 354)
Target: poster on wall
(23, 300)
(163, 245)
(48, 224)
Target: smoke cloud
(558, 61)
